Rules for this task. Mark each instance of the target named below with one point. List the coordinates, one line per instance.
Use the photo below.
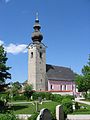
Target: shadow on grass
(18, 107)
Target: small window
(40, 47)
(31, 54)
(40, 55)
(61, 87)
(64, 87)
(51, 87)
(41, 80)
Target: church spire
(37, 16)
(36, 35)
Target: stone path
(81, 101)
(28, 102)
(23, 116)
(78, 117)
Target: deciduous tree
(83, 81)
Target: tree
(83, 81)
(67, 106)
(28, 91)
(4, 74)
(15, 88)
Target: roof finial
(36, 15)
(37, 35)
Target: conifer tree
(4, 74)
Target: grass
(30, 108)
(85, 110)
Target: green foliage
(43, 95)
(67, 106)
(54, 114)
(83, 81)
(88, 96)
(16, 85)
(2, 107)
(57, 98)
(15, 88)
(50, 96)
(82, 84)
(4, 74)
(28, 91)
(68, 96)
(8, 117)
(19, 97)
(77, 106)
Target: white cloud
(1, 42)
(14, 49)
(7, 1)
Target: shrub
(67, 106)
(57, 98)
(19, 97)
(48, 95)
(68, 96)
(77, 106)
(85, 95)
(28, 91)
(54, 115)
(42, 95)
(3, 106)
(8, 117)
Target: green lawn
(30, 108)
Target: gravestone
(59, 112)
(44, 115)
(40, 99)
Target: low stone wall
(78, 117)
(63, 93)
(23, 116)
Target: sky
(65, 25)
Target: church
(46, 77)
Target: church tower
(37, 60)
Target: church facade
(45, 77)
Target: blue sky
(65, 27)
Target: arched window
(40, 54)
(31, 54)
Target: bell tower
(37, 59)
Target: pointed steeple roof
(36, 35)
